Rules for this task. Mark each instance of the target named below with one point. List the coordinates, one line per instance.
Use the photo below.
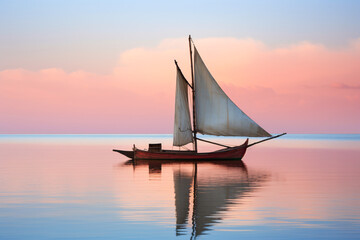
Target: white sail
(182, 123)
(216, 114)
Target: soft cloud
(304, 88)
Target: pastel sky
(107, 66)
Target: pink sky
(300, 88)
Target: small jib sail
(216, 114)
(182, 123)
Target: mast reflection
(204, 191)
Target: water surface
(75, 187)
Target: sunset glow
(300, 88)
(264, 143)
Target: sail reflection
(182, 185)
(204, 191)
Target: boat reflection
(204, 191)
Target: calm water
(75, 187)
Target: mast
(193, 94)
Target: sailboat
(213, 113)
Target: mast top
(190, 40)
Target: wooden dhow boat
(213, 113)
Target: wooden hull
(234, 153)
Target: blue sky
(43, 34)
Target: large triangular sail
(216, 114)
(182, 123)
